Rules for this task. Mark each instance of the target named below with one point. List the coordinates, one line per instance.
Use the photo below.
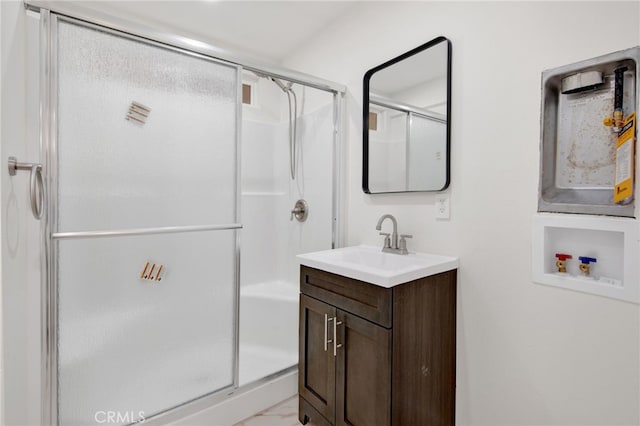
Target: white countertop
(372, 265)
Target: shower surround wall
(270, 239)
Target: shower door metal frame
(339, 169)
(49, 16)
(48, 300)
(48, 146)
(77, 11)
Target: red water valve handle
(563, 256)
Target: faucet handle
(402, 245)
(387, 239)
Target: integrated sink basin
(370, 264)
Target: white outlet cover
(442, 207)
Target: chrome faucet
(391, 244)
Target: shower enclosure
(169, 238)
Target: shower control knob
(300, 211)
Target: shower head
(281, 85)
(284, 87)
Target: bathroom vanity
(379, 353)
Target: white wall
(527, 354)
(1, 228)
(19, 238)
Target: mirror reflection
(406, 121)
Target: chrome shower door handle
(36, 184)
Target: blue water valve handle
(585, 265)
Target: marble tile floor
(283, 414)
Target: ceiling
(267, 30)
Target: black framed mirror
(407, 121)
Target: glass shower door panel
(426, 153)
(146, 135)
(138, 346)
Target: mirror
(406, 120)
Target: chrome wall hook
(36, 187)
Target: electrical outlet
(442, 207)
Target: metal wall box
(577, 150)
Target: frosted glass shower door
(120, 169)
(144, 225)
(139, 346)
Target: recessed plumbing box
(609, 246)
(579, 133)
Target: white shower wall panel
(265, 158)
(264, 199)
(270, 239)
(262, 238)
(315, 184)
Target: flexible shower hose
(292, 132)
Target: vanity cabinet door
(363, 376)
(317, 367)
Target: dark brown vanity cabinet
(372, 356)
